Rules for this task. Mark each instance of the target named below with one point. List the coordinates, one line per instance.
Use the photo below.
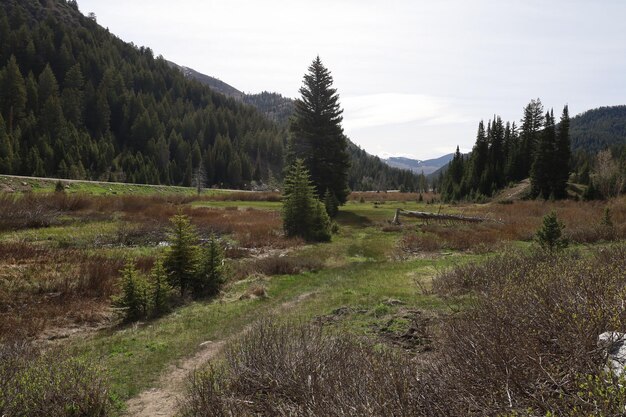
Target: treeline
(77, 102)
(504, 153)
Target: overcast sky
(414, 77)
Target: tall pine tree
(316, 133)
(562, 154)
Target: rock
(208, 342)
(615, 345)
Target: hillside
(599, 129)
(81, 103)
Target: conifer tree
(13, 97)
(181, 259)
(550, 233)
(133, 299)
(160, 289)
(562, 154)
(303, 214)
(316, 133)
(210, 276)
(542, 172)
(530, 130)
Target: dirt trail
(162, 400)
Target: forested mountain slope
(598, 129)
(78, 102)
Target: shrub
(290, 370)
(526, 345)
(58, 187)
(50, 384)
(303, 214)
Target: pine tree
(316, 133)
(562, 154)
(181, 259)
(210, 276)
(530, 130)
(160, 289)
(542, 172)
(550, 234)
(13, 97)
(133, 299)
(303, 214)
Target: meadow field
(388, 295)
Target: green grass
(263, 205)
(98, 188)
(359, 275)
(74, 234)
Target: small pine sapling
(550, 234)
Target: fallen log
(436, 216)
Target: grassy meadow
(61, 254)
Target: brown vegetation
(280, 370)
(42, 287)
(518, 221)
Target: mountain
(418, 166)
(80, 103)
(215, 84)
(598, 129)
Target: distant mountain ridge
(418, 166)
(212, 82)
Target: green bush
(44, 385)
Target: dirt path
(162, 400)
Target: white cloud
(383, 109)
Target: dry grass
(382, 197)
(40, 287)
(275, 265)
(518, 221)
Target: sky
(414, 77)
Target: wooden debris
(436, 216)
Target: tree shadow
(349, 218)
